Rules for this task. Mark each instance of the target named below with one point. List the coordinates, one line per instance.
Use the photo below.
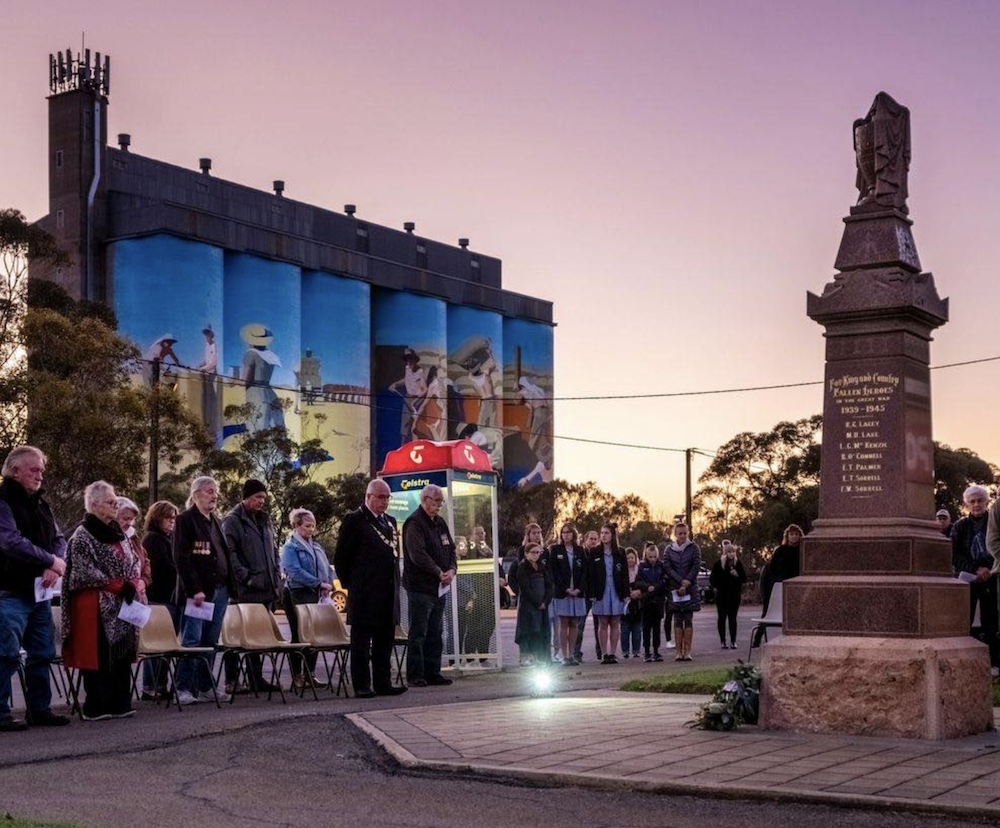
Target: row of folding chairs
(248, 631)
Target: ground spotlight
(541, 682)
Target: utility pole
(687, 491)
(154, 436)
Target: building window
(59, 159)
(362, 239)
(474, 263)
(422, 256)
(60, 219)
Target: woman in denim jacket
(308, 577)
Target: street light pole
(154, 436)
(687, 491)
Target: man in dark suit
(367, 564)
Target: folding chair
(327, 634)
(159, 640)
(302, 655)
(771, 619)
(67, 685)
(231, 643)
(260, 638)
(400, 640)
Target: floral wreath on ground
(736, 702)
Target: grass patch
(11, 821)
(704, 681)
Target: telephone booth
(466, 476)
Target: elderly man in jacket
(429, 567)
(253, 564)
(367, 565)
(31, 548)
(970, 554)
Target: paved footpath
(641, 741)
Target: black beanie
(251, 487)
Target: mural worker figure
(412, 388)
(210, 408)
(429, 424)
(541, 416)
(259, 363)
(429, 568)
(365, 560)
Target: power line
(201, 376)
(597, 397)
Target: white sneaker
(671, 645)
(184, 697)
(209, 696)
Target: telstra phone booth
(466, 476)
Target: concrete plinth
(916, 688)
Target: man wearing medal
(366, 562)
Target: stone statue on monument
(882, 149)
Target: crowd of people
(196, 563)
(628, 594)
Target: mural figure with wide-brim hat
(259, 363)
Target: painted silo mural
(261, 344)
(475, 379)
(334, 370)
(527, 413)
(410, 369)
(168, 298)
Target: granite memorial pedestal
(876, 629)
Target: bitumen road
(266, 764)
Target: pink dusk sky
(671, 174)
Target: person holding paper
(970, 554)
(254, 567)
(102, 573)
(308, 577)
(682, 562)
(367, 563)
(429, 568)
(32, 548)
(202, 558)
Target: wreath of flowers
(736, 702)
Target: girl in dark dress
(727, 579)
(535, 595)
